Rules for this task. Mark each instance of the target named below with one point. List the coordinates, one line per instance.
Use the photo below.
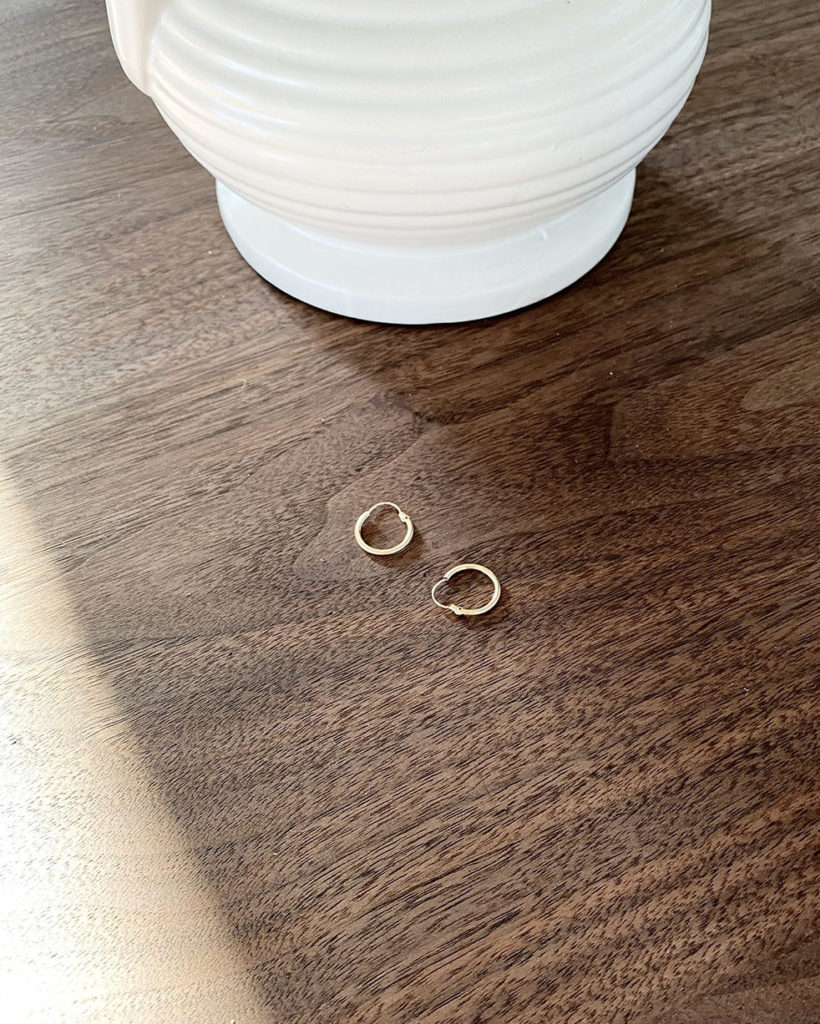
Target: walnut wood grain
(250, 774)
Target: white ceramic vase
(413, 161)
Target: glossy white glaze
(414, 128)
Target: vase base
(427, 285)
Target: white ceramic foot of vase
(427, 285)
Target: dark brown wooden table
(249, 774)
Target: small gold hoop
(456, 608)
(408, 535)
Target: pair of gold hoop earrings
(456, 609)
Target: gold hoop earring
(403, 516)
(456, 609)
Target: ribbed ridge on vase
(392, 118)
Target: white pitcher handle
(132, 25)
